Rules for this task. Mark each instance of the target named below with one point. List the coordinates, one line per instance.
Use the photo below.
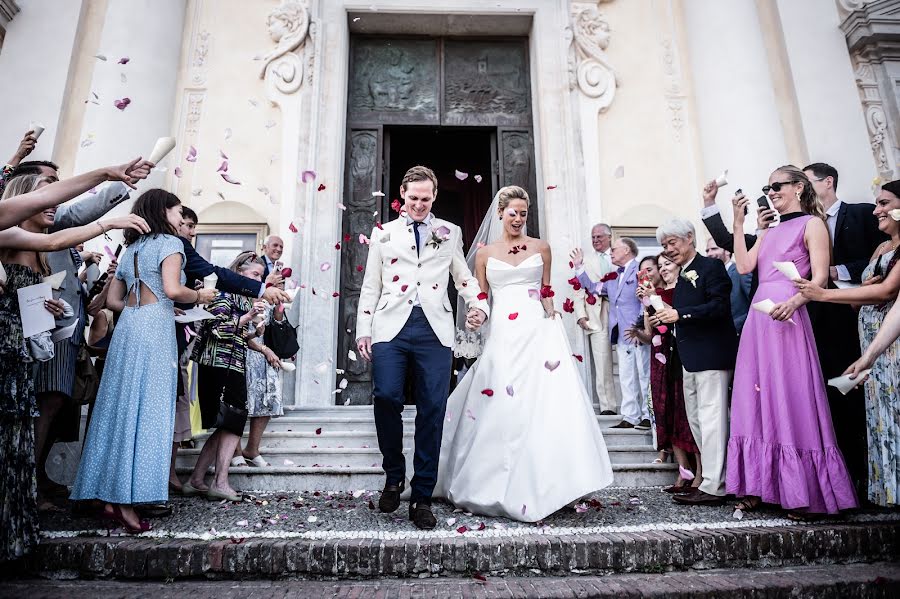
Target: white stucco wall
(35, 63)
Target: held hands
(810, 290)
(577, 257)
(474, 319)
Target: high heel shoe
(117, 516)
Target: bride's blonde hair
(508, 194)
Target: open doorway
(446, 150)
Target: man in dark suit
(740, 284)
(272, 248)
(707, 346)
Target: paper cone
(56, 279)
(788, 269)
(722, 180)
(765, 306)
(288, 367)
(657, 302)
(37, 128)
(845, 384)
(163, 146)
(2, 275)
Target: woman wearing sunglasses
(782, 448)
(876, 296)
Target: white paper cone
(765, 306)
(722, 180)
(37, 128)
(657, 302)
(788, 269)
(288, 367)
(2, 275)
(845, 384)
(163, 146)
(56, 279)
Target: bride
(520, 436)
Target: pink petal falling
(660, 358)
(124, 60)
(308, 176)
(122, 104)
(685, 473)
(223, 168)
(228, 179)
(551, 366)
(657, 340)
(191, 155)
(461, 175)
(509, 390)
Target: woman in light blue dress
(125, 461)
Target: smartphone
(764, 204)
(104, 276)
(738, 192)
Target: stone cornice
(8, 9)
(874, 29)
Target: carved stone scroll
(590, 69)
(880, 139)
(288, 26)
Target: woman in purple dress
(782, 448)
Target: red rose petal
(336, 294)
(513, 316)
(483, 295)
(478, 575)
(292, 228)
(378, 224)
(662, 329)
(359, 268)
(395, 206)
(321, 187)
(462, 529)
(337, 246)
(228, 179)
(286, 272)
(394, 260)
(318, 431)
(568, 306)
(591, 300)
(403, 288)
(347, 237)
(395, 279)
(578, 357)
(488, 392)
(551, 187)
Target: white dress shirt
(424, 232)
(831, 220)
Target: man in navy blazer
(740, 284)
(624, 310)
(707, 347)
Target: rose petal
(228, 179)
(342, 207)
(177, 171)
(395, 206)
(241, 523)
(477, 178)
(660, 358)
(487, 392)
(620, 172)
(223, 168)
(578, 357)
(325, 266)
(100, 57)
(551, 366)
(461, 175)
(318, 431)
(287, 272)
(191, 155)
(359, 268)
(509, 390)
(469, 414)
(513, 316)
(363, 239)
(124, 60)
(337, 246)
(534, 294)
(451, 521)
(321, 187)
(551, 187)
(395, 278)
(394, 261)
(292, 228)
(222, 155)
(657, 340)
(568, 306)
(308, 176)
(483, 295)
(523, 509)
(685, 473)
(403, 288)
(737, 514)
(462, 529)
(663, 329)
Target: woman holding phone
(782, 448)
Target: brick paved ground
(831, 582)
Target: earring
(499, 218)
(798, 196)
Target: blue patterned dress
(882, 400)
(129, 442)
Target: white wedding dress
(521, 439)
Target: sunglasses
(776, 187)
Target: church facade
(611, 111)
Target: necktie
(620, 270)
(416, 232)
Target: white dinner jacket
(395, 272)
(582, 308)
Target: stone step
(353, 457)
(338, 477)
(490, 553)
(846, 581)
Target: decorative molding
(198, 58)
(194, 111)
(589, 67)
(288, 26)
(880, 139)
(674, 94)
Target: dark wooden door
(423, 82)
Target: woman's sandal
(119, 517)
(748, 505)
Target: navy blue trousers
(416, 347)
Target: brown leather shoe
(421, 515)
(698, 497)
(623, 424)
(390, 498)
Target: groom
(405, 320)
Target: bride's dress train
(521, 439)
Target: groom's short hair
(419, 173)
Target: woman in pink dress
(782, 448)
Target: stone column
(148, 35)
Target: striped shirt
(223, 344)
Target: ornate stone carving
(883, 149)
(675, 98)
(358, 219)
(590, 69)
(195, 109)
(851, 5)
(517, 163)
(198, 58)
(394, 76)
(486, 80)
(288, 26)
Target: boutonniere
(691, 277)
(439, 236)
